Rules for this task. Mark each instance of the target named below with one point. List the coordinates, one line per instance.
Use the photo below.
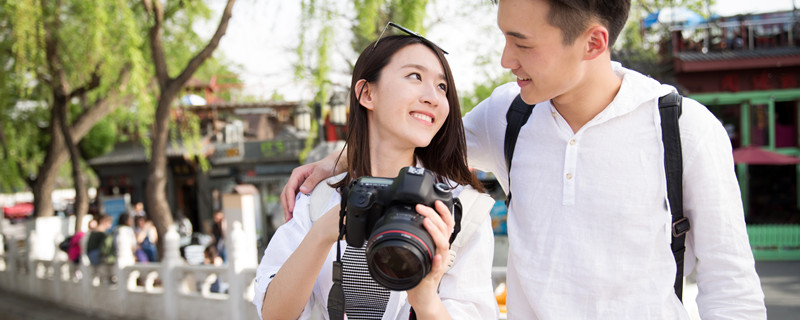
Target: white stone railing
(170, 289)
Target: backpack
(669, 107)
(64, 245)
(108, 249)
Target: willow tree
(372, 16)
(170, 81)
(84, 56)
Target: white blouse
(466, 289)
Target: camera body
(382, 210)
(370, 197)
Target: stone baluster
(171, 259)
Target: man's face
(534, 51)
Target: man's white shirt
(589, 225)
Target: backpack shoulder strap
(669, 107)
(516, 117)
(475, 207)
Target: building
(256, 144)
(746, 70)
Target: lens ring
(397, 262)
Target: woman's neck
(386, 161)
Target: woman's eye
(443, 87)
(415, 76)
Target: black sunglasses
(404, 29)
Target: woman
(404, 112)
(146, 238)
(125, 241)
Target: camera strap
(336, 295)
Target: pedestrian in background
(219, 232)
(146, 238)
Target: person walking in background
(74, 251)
(138, 210)
(95, 245)
(146, 237)
(125, 241)
(219, 232)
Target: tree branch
(102, 106)
(212, 45)
(59, 78)
(89, 86)
(156, 47)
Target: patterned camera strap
(364, 298)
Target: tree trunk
(156, 203)
(81, 204)
(46, 176)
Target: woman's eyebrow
(422, 68)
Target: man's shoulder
(501, 96)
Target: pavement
(22, 307)
(780, 281)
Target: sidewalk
(18, 307)
(780, 281)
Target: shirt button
(554, 114)
(572, 142)
(569, 176)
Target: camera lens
(400, 250)
(396, 260)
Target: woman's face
(408, 103)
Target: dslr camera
(382, 211)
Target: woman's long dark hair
(446, 155)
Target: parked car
(18, 211)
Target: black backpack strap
(516, 117)
(669, 107)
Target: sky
(262, 36)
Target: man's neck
(582, 103)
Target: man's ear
(364, 94)
(596, 41)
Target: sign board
(115, 205)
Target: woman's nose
(430, 95)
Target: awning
(758, 155)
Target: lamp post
(338, 105)
(302, 118)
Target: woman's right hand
(327, 226)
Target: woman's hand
(304, 178)
(425, 297)
(327, 226)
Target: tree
(75, 51)
(168, 89)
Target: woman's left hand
(424, 297)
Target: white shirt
(589, 226)
(465, 290)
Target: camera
(382, 210)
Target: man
(589, 226)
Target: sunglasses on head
(404, 29)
